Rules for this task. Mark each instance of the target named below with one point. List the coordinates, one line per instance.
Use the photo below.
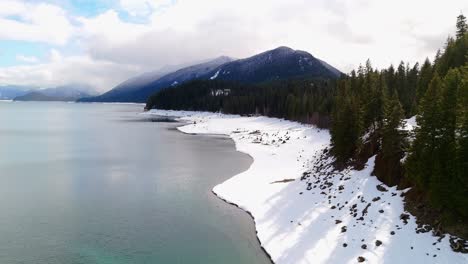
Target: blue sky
(104, 42)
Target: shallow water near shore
(80, 184)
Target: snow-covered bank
(321, 217)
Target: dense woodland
(304, 100)
(366, 111)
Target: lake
(93, 183)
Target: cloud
(34, 22)
(344, 33)
(27, 59)
(109, 48)
(62, 70)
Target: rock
(376, 199)
(338, 222)
(405, 218)
(381, 188)
(361, 259)
(364, 246)
(345, 245)
(378, 243)
(343, 229)
(392, 233)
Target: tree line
(434, 157)
(303, 100)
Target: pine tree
(461, 182)
(443, 187)
(393, 138)
(346, 124)
(425, 77)
(462, 27)
(419, 165)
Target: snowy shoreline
(320, 216)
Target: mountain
(140, 88)
(65, 93)
(9, 92)
(278, 64)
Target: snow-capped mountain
(277, 64)
(140, 88)
(280, 63)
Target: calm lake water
(89, 183)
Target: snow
(296, 225)
(215, 75)
(175, 83)
(410, 124)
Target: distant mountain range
(66, 93)
(9, 92)
(277, 64)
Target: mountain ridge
(276, 64)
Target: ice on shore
(322, 216)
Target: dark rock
(343, 229)
(378, 243)
(405, 218)
(364, 246)
(361, 259)
(381, 188)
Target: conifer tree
(425, 77)
(462, 27)
(393, 137)
(420, 161)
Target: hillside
(278, 64)
(140, 88)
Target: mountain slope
(277, 64)
(138, 89)
(62, 93)
(9, 92)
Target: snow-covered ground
(306, 213)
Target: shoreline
(297, 223)
(221, 198)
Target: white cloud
(34, 22)
(59, 70)
(342, 32)
(27, 59)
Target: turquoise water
(91, 183)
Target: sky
(104, 42)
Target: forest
(366, 112)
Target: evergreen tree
(425, 77)
(393, 138)
(461, 181)
(462, 27)
(420, 161)
(346, 126)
